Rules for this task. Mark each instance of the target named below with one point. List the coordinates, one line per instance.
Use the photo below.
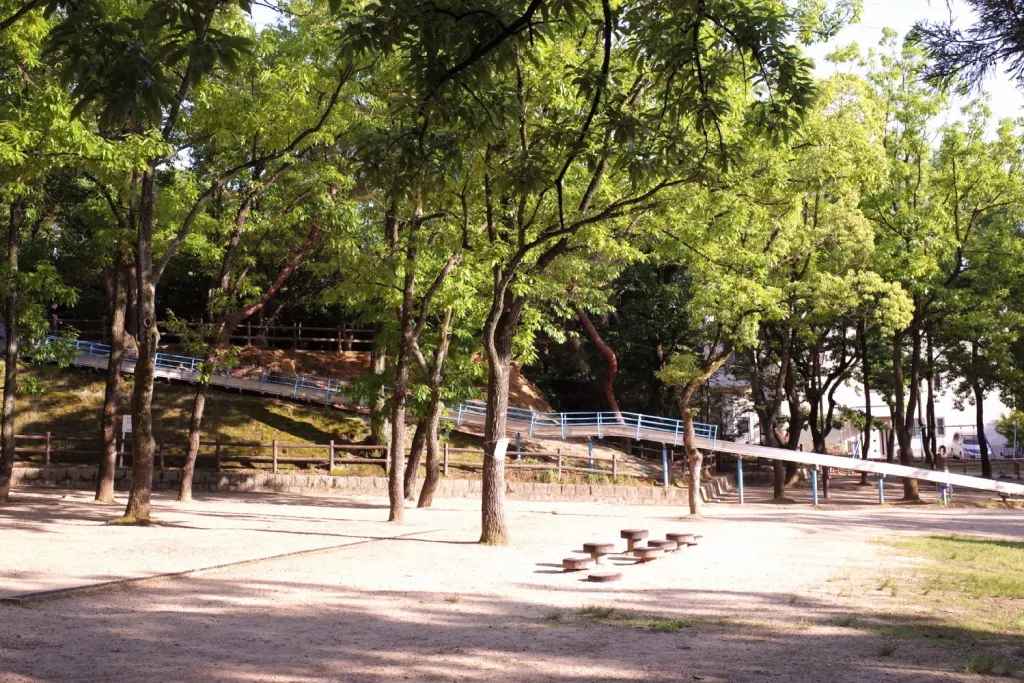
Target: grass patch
(596, 612)
(987, 664)
(554, 615)
(887, 650)
(972, 566)
(671, 625)
(452, 599)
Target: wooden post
(46, 451)
(330, 450)
(339, 339)
(248, 333)
(615, 465)
(273, 444)
(559, 465)
(295, 335)
(160, 453)
(216, 453)
(446, 460)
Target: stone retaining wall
(84, 477)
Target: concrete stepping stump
(604, 577)
(633, 536)
(599, 550)
(681, 539)
(647, 554)
(667, 546)
(697, 538)
(575, 564)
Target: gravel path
(758, 600)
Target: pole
(446, 460)
(881, 489)
(590, 451)
(216, 453)
(273, 445)
(160, 453)
(944, 492)
(615, 465)
(330, 452)
(739, 477)
(664, 465)
(814, 484)
(559, 465)
(46, 453)
(519, 446)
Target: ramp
(549, 425)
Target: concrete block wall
(205, 481)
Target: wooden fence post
(559, 465)
(248, 333)
(339, 339)
(295, 335)
(446, 460)
(330, 448)
(160, 453)
(273, 444)
(46, 452)
(216, 453)
(615, 465)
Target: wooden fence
(222, 455)
(295, 336)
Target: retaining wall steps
(84, 477)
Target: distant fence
(218, 455)
(295, 336)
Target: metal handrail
(534, 421)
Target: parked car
(972, 449)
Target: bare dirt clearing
(772, 593)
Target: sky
(1005, 98)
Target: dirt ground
(344, 596)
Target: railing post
(446, 460)
(590, 451)
(533, 421)
(559, 465)
(675, 438)
(664, 465)
(192, 366)
(561, 422)
(599, 425)
(459, 420)
(330, 451)
(248, 333)
(295, 387)
(46, 451)
(739, 477)
(273, 445)
(216, 453)
(639, 419)
(881, 489)
(615, 465)
(263, 378)
(814, 484)
(519, 446)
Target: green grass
(596, 612)
(671, 625)
(991, 665)
(971, 566)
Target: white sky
(1005, 99)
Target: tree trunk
(7, 445)
(904, 417)
(412, 469)
(433, 421)
(143, 445)
(865, 447)
(694, 460)
(979, 407)
(609, 357)
(400, 391)
(131, 313)
(112, 392)
(380, 422)
(499, 333)
(195, 424)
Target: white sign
(500, 446)
(126, 424)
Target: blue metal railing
(532, 421)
